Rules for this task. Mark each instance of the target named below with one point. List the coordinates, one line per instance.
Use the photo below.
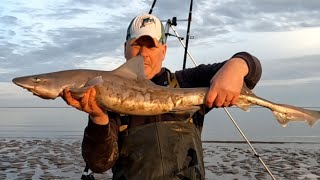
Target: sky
(40, 36)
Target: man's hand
(226, 85)
(87, 104)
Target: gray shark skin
(125, 90)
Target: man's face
(153, 54)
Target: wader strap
(123, 121)
(173, 82)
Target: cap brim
(155, 41)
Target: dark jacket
(100, 146)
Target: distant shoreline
(261, 142)
(204, 141)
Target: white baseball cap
(146, 25)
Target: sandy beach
(35, 158)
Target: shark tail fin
(314, 117)
(297, 114)
(79, 92)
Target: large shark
(125, 90)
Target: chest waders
(168, 148)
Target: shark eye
(36, 79)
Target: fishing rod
(182, 43)
(152, 6)
(232, 119)
(187, 35)
(172, 24)
(252, 148)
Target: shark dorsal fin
(132, 69)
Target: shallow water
(65, 122)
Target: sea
(65, 122)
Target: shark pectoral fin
(314, 117)
(190, 110)
(312, 122)
(79, 92)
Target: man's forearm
(100, 146)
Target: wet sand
(32, 158)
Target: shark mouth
(33, 90)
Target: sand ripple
(61, 159)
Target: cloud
(254, 16)
(61, 35)
(286, 5)
(103, 63)
(50, 36)
(290, 82)
(4, 71)
(292, 68)
(291, 71)
(8, 20)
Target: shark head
(44, 86)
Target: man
(164, 146)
